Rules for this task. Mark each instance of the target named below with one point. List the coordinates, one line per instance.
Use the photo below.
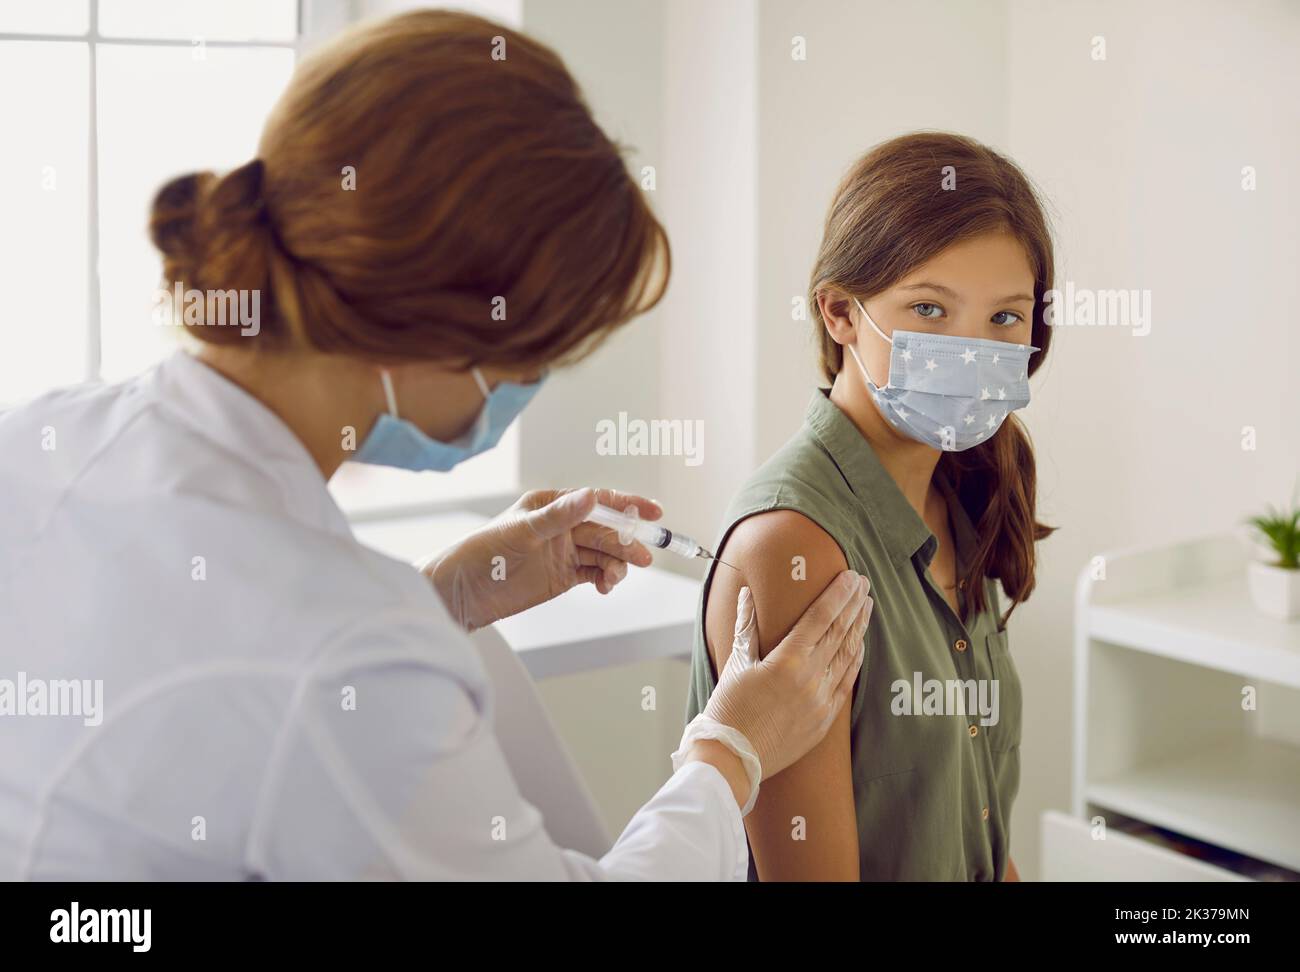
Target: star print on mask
(959, 396)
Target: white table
(651, 614)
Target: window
(104, 101)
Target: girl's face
(982, 287)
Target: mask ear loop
(854, 351)
(387, 381)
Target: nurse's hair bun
(214, 235)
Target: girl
(911, 469)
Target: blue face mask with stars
(949, 392)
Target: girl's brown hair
(491, 220)
(894, 211)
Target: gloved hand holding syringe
(631, 527)
(546, 543)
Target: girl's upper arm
(804, 826)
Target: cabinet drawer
(1070, 854)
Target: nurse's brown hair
(895, 210)
(483, 189)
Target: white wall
(709, 336)
(615, 49)
(1139, 439)
(873, 70)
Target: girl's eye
(1015, 318)
(928, 310)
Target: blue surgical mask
(394, 441)
(949, 392)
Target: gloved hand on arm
(771, 711)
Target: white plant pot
(1275, 591)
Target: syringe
(631, 527)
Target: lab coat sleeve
(694, 813)
(388, 768)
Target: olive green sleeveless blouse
(933, 789)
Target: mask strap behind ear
(870, 321)
(854, 351)
(387, 379)
(482, 385)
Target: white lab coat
(172, 538)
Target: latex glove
(537, 549)
(784, 704)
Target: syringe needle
(711, 556)
(630, 527)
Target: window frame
(314, 19)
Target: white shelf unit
(1167, 643)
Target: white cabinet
(1187, 720)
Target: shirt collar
(900, 527)
(237, 422)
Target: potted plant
(1275, 587)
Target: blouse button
(960, 644)
(974, 731)
(985, 813)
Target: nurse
(433, 222)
